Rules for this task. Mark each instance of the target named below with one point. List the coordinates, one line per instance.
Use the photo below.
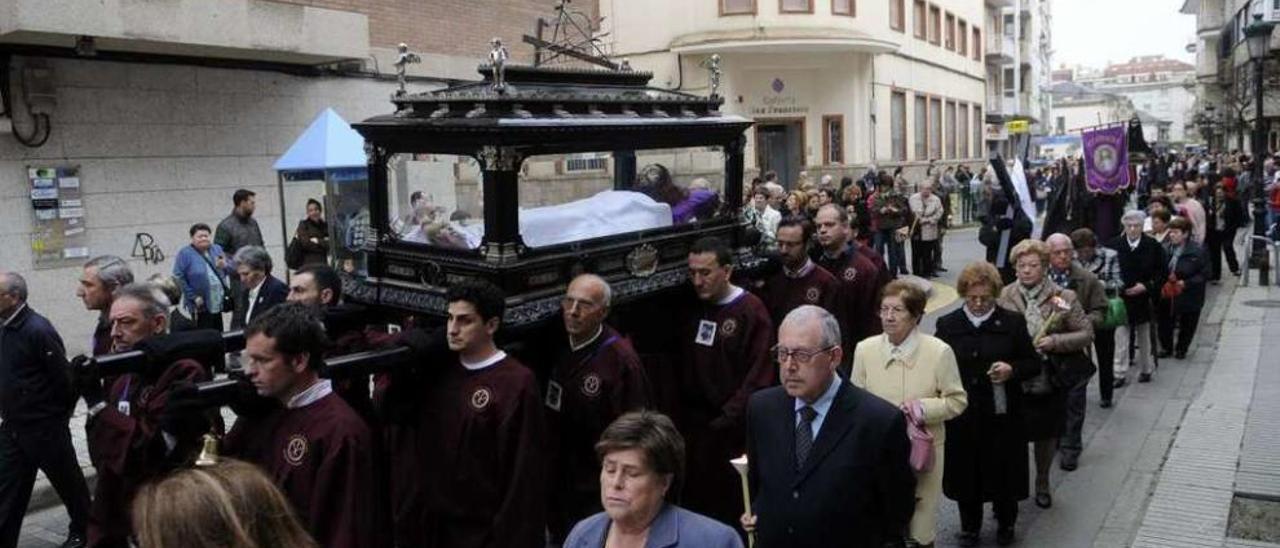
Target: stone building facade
(167, 107)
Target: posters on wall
(58, 237)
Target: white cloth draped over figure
(604, 214)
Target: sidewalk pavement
(1227, 445)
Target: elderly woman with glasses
(918, 373)
(986, 457)
(1059, 329)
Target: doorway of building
(780, 148)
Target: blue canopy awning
(328, 143)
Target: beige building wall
(808, 67)
(161, 147)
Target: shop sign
(997, 132)
(1018, 126)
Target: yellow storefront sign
(1018, 126)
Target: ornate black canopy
(517, 112)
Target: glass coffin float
(550, 173)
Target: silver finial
(498, 60)
(712, 64)
(404, 58)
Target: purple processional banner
(1106, 159)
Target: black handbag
(228, 301)
(989, 235)
(1071, 369)
(1042, 383)
(293, 255)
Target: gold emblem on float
(642, 261)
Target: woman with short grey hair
(642, 465)
(259, 289)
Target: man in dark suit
(261, 290)
(827, 461)
(1143, 268)
(35, 405)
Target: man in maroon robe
(801, 281)
(596, 379)
(313, 444)
(860, 280)
(724, 342)
(133, 438)
(319, 287)
(466, 438)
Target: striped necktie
(804, 435)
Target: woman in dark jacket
(986, 446)
(1227, 217)
(312, 236)
(892, 212)
(1187, 269)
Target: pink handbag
(921, 439)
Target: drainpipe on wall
(872, 104)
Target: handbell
(209, 452)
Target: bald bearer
(596, 378)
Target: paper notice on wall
(59, 236)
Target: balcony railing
(1000, 47)
(995, 104)
(1208, 21)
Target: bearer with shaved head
(596, 379)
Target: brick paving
(1227, 439)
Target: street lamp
(1258, 37)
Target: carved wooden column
(501, 171)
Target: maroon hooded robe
(128, 448)
(861, 283)
(468, 462)
(726, 358)
(588, 389)
(321, 454)
(784, 292)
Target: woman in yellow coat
(906, 368)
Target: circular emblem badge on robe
(591, 385)
(812, 295)
(295, 450)
(480, 398)
(729, 327)
(850, 274)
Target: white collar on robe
(577, 347)
(320, 389)
(734, 293)
(495, 358)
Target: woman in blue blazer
(201, 269)
(642, 457)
